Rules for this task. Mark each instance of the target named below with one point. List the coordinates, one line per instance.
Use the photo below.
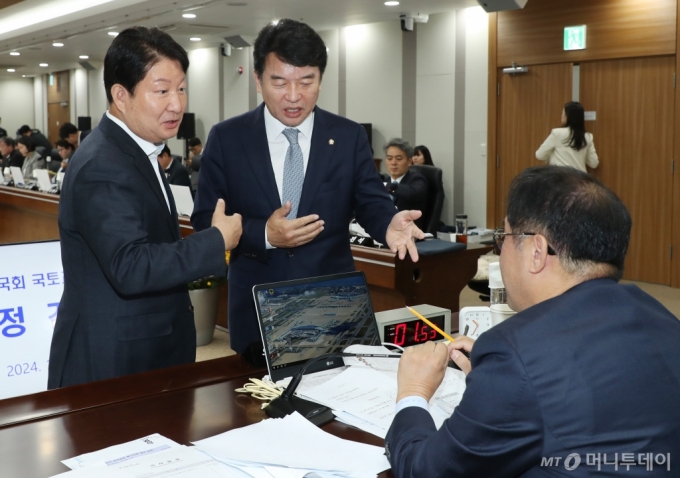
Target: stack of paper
(295, 443)
(364, 394)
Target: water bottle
(496, 286)
(461, 224)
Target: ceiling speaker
(501, 5)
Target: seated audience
(421, 155)
(587, 367)
(66, 150)
(32, 159)
(39, 139)
(3, 131)
(10, 155)
(407, 189)
(174, 171)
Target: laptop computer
(303, 319)
(18, 178)
(183, 200)
(44, 181)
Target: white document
(120, 453)
(184, 462)
(184, 203)
(295, 442)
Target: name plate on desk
(31, 284)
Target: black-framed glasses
(499, 238)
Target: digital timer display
(412, 332)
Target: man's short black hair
(67, 129)
(8, 141)
(194, 142)
(166, 150)
(64, 144)
(23, 130)
(293, 42)
(132, 54)
(28, 142)
(584, 221)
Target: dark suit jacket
(39, 139)
(178, 174)
(410, 194)
(15, 159)
(340, 181)
(595, 370)
(125, 307)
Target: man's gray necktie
(293, 172)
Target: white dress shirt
(150, 149)
(278, 146)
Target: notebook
(302, 319)
(183, 200)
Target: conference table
(184, 403)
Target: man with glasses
(582, 380)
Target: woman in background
(570, 145)
(32, 159)
(421, 155)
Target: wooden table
(185, 403)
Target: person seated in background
(38, 139)
(10, 155)
(174, 171)
(194, 161)
(66, 150)
(587, 367)
(421, 155)
(32, 159)
(72, 134)
(3, 131)
(407, 189)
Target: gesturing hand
(401, 232)
(230, 226)
(284, 233)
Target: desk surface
(93, 416)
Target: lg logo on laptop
(329, 363)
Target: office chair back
(435, 195)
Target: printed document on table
(127, 451)
(184, 462)
(295, 442)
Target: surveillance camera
(408, 19)
(225, 48)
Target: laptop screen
(305, 318)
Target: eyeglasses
(499, 237)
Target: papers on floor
(364, 394)
(294, 442)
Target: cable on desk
(264, 390)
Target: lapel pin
(331, 142)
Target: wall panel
(615, 29)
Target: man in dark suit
(70, 133)
(408, 189)
(125, 307)
(10, 155)
(174, 171)
(588, 371)
(38, 139)
(297, 175)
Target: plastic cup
(500, 312)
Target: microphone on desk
(316, 413)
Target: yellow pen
(414, 312)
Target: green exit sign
(575, 38)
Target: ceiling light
(195, 39)
(11, 70)
(57, 44)
(113, 34)
(39, 12)
(391, 4)
(189, 15)
(44, 65)
(14, 53)
(83, 57)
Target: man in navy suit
(297, 175)
(586, 375)
(125, 307)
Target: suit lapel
(320, 154)
(259, 158)
(172, 220)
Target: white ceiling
(85, 33)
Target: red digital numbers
(400, 334)
(423, 333)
